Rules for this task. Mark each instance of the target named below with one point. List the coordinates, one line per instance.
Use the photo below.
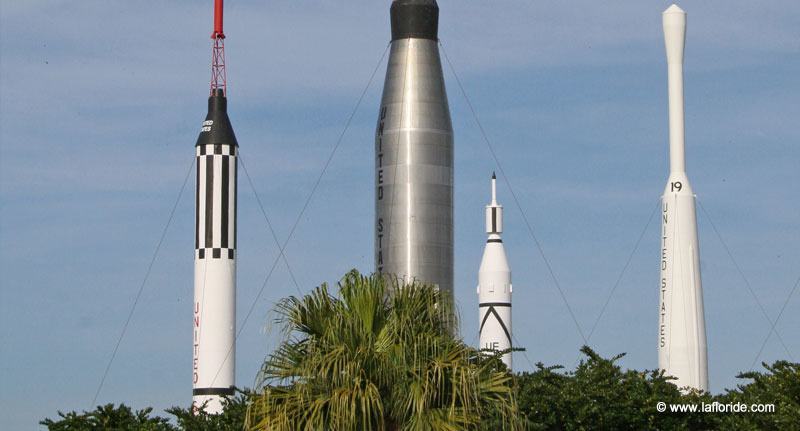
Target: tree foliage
(108, 417)
(598, 394)
(379, 356)
(779, 385)
(122, 418)
(231, 418)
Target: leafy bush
(111, 417)
(383, 356)
(780, 386)
(600, 395)
(231, 419)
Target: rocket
(414, 154)
(494, 285)
(214, 313)
(681, 321)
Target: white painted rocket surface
(214, 311)
(494, 285)
(681, 321)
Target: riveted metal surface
(414, 168)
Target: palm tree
(380, 356)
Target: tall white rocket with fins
(494, 285)
(681, 321)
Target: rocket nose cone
(415, 19)
(674, 23)
(674, 16)
(674, 9)
(217, 127)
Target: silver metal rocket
(494, 285)
(681, 321)
(414, 154)
(214, 311)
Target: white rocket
(494, 285)
(214, 310)
(681, 322)
(214, 314)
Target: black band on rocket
(415, 19)
(494, 304)
(213, 391)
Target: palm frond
(380, 355)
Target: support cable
(269, 224)
(622, 273)
(524, 353)
(397, 153)
(514, 196)
(746, 282)
(772, 329)
(302, 211)
(144, 282)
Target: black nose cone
(415, 19)
(217, 129)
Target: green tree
(600, 395)
(380, 356)
(779, 386)
(109, 417)
(231, 418)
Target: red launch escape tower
(219, 79)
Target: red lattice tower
(219, 78)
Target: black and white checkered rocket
(214, 323)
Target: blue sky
(101, 102)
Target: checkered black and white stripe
(215, 216)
